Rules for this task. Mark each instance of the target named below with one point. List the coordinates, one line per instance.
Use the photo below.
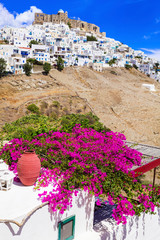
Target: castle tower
(62, 16)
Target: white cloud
(146, 37)
(157, 32)
(157, 20)
(152, 53)
(17, 20)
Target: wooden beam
(154, 177)
(147, 167)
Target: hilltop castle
(62, 16)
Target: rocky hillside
(116, 96)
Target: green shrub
(34, 61)
(112, 61)
(87, 121)
(3, 65)
(44, 105)
(32, 42)
(6, 41)
(46, 68)
(27, 68)
(135, 66)
(69, 25)
(91, 38)
(29, 126)
(25, 133)
(56, 104)
(113, 72)
(60, 64)
(53, 116)
(33, 108)
(65, 110)
(127, 66)
(78, 111)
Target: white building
(71, 44)
(145, 68)
(40, 53)
(23, 217)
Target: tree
(27, 68)
(6, 41)
(127, 66)
(32, 42)
(138, 57)
(60, 64)
(156, 67)
(69, 25)
(34, 61)
(135, 66)
(31, 60)
(91, 38)
(112, 61)
(2, 66)
(46, 68)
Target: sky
(132, 22)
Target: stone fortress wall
(62, 16)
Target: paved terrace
(151, 156)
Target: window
(66, 229)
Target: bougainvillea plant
(97, 162)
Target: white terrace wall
(43, 225)
(145, 227)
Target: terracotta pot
(28, 168)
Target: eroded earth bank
(116, 96)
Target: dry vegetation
(116, 96)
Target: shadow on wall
(104, 213)
(86, 200)
(84, 203)
(137, 228)
(16, 231)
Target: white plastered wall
(43, 224)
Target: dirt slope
(116, 96)
(119, 100)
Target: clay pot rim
(29, 152)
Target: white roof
(18, 201)
(61, 11)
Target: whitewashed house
(145, 68)
(23, 217)
(97, 66)
(16, 64)
(40, 52)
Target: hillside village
(73, 142)
(80, 46)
